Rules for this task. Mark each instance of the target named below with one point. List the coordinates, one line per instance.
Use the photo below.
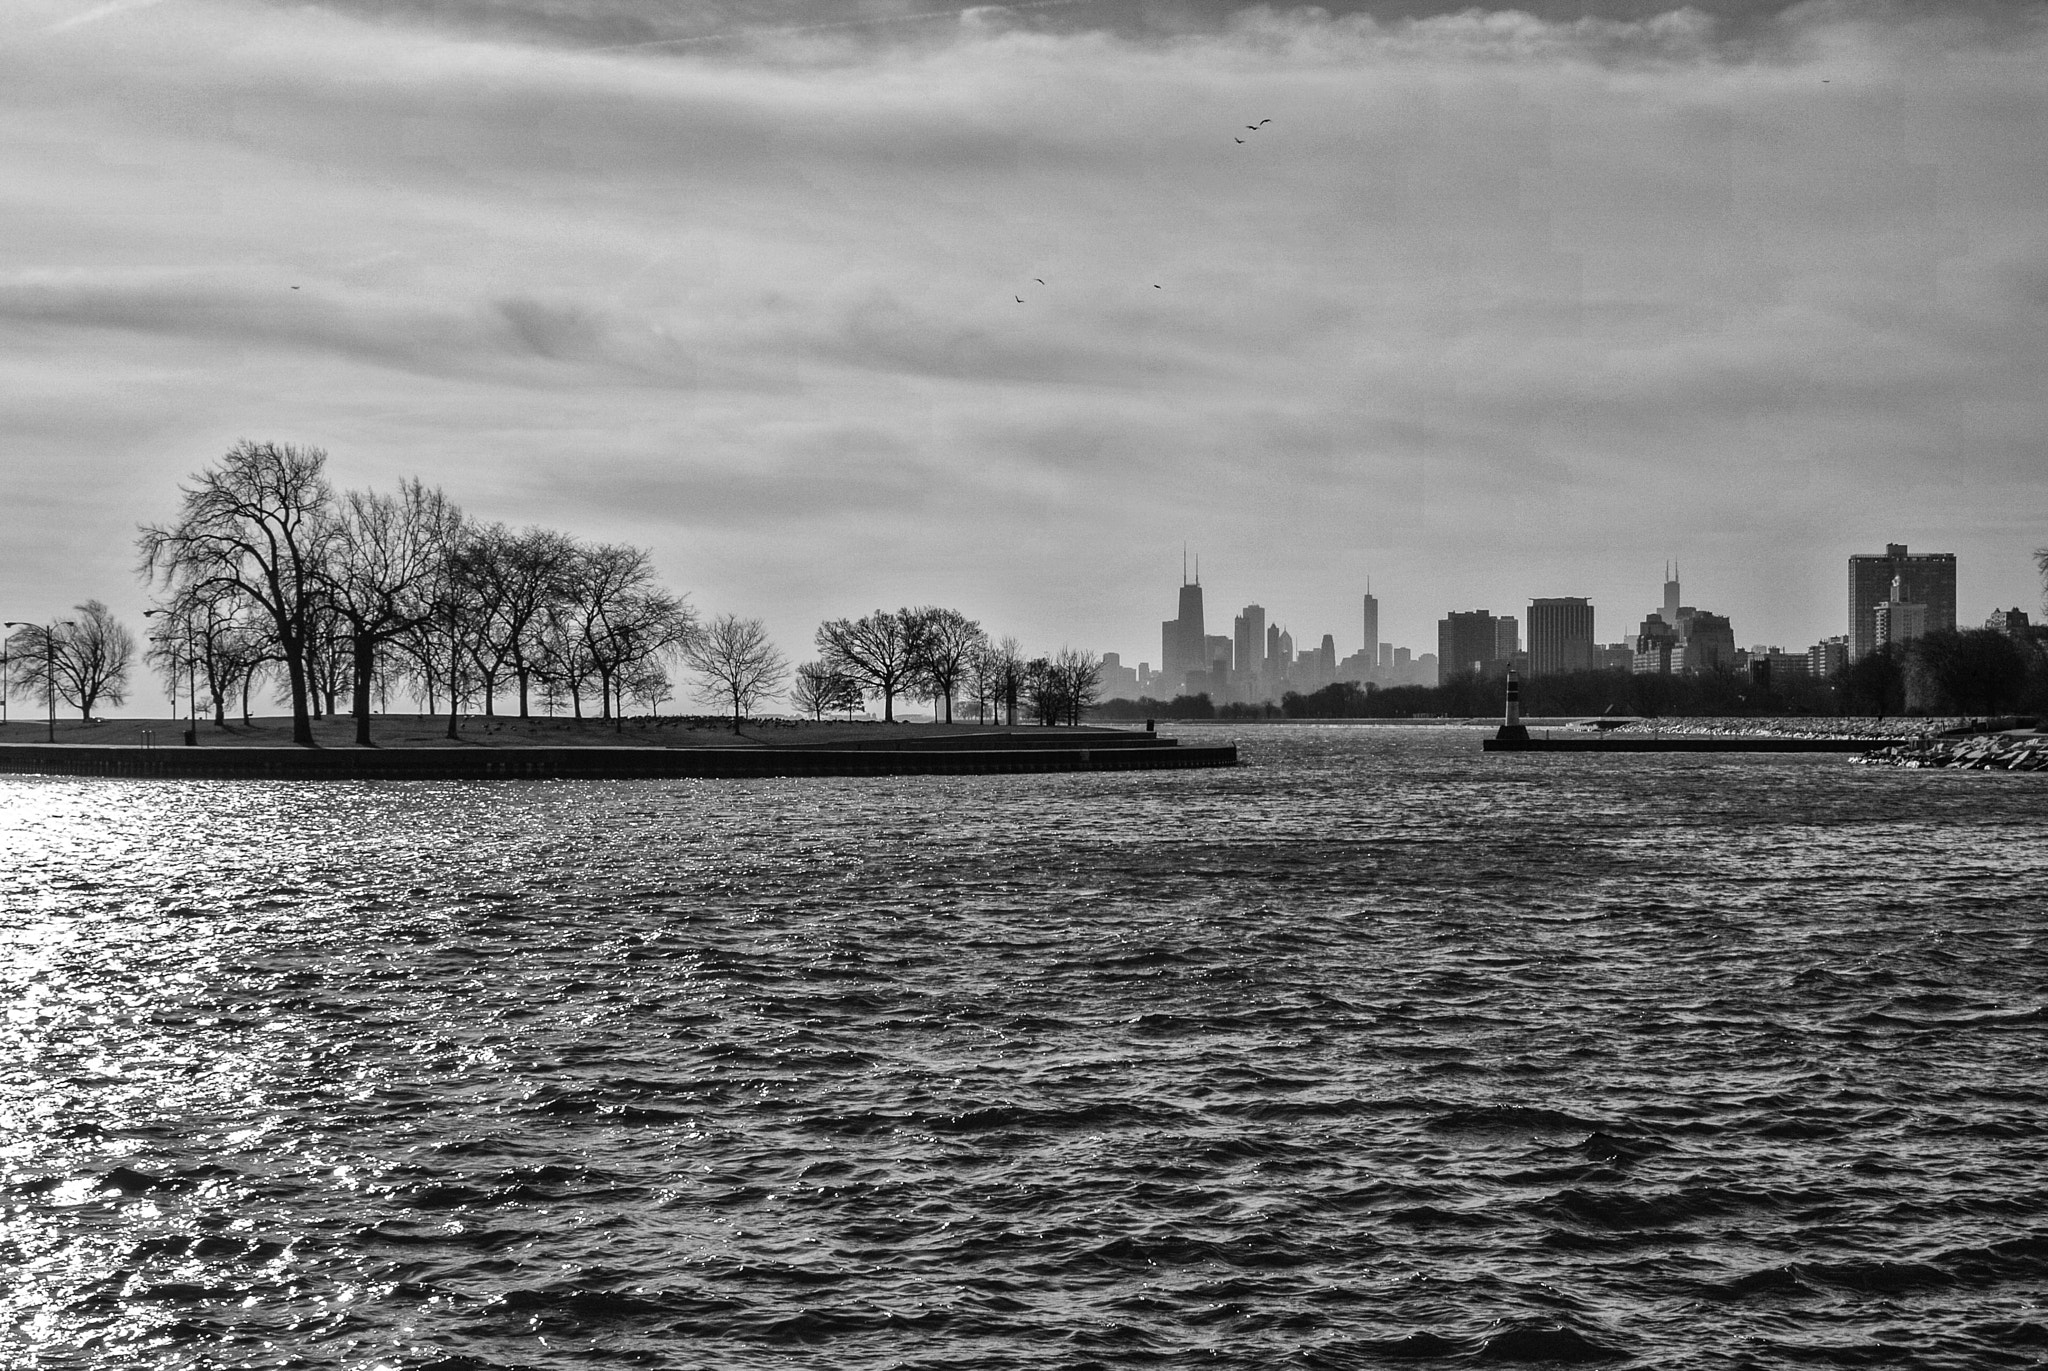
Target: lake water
(1374, 1051)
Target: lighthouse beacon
(1512, 729)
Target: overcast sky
(1497, 305)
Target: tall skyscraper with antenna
(1182, 640)
(1372, 622)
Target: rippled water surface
(1373, 1051)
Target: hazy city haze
(1496, 306)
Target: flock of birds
(1249, 128)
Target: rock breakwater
(2015, 751)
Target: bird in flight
(1262, 123)
(1155, 285)
(294, 287)
(1039, 279)
(1240, 140)
(1020, 299)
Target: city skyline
(1600, 634)
(1496, 306)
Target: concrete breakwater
(979, 754)
(2016, 751)
(1677, 742)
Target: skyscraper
(1899, 621)
(1372, 621)
(1671, 594)
(1251, 638)
(1465, 642)
(1924, 578)
(1181, 640)
(1560, 635)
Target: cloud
(1496, 305)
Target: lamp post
(191, 681)
(49, 662)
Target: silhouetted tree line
(267, 569)
(941, 655)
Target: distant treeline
(1969, 671)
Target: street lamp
(49, 661)
(191, 681)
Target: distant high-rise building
(1466, 641)
(1118, 681)
(1251, 638)
(1899, 621)
(1560, 635)
(1372, 621)
(1655, 642)
(1827, 657)
(1181, 647)
(1217, 651)
(1274, 662)
(1708, 640)
(1507, 637)
(1924, 578)
(1386, 656)
(1283, 648)
(1671, 595)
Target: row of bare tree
(266, 566)
(267, 570)
(940, 655)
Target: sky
(837, 306)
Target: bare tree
(620, 614)
(943, 643)
(387, 564)
(820, 690)
(1080, 681)
(873, 651)
(82, 661)
(257, 522)
(1046, 690)
(998, 678)
(647, 684)
(518, 577)
(208, 635)
(738, 663)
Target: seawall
(1641, 743)
(937, 757)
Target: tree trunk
(295, 674)
(888, 705)
(366, 661)
(454, 695)
(522, 674)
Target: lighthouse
(1512, 730)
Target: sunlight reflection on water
(1370, 1042)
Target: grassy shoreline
(411, 731)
